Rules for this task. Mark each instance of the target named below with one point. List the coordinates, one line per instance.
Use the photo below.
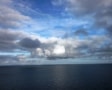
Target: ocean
(56, 77)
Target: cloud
(29, 43)
(9, 17)
(59, 50)
(73, 46)
(84, 6)
(5, 60)
(5, 1)
(13, 19)
(41, 47)
(8, 39)
(99, 10)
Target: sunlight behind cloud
(59, 50)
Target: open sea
(56, 77)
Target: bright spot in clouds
(59, 50)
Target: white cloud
(8, 39)
(5, 1)
(59, 50)
(84, 5)
(39, 52)
(59, 46)
(9, 17)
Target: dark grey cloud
(30, 43)
(8, 39)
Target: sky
(43, 28)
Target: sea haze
(56, 77)
(44, 61)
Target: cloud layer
(84, 28)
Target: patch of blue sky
(48, 19)
(44, 33)
(96, 31)
(39, 8)
(15, 53)
(47, 7)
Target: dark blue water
(56, 77)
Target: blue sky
(48, 18)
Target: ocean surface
(56, 77)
